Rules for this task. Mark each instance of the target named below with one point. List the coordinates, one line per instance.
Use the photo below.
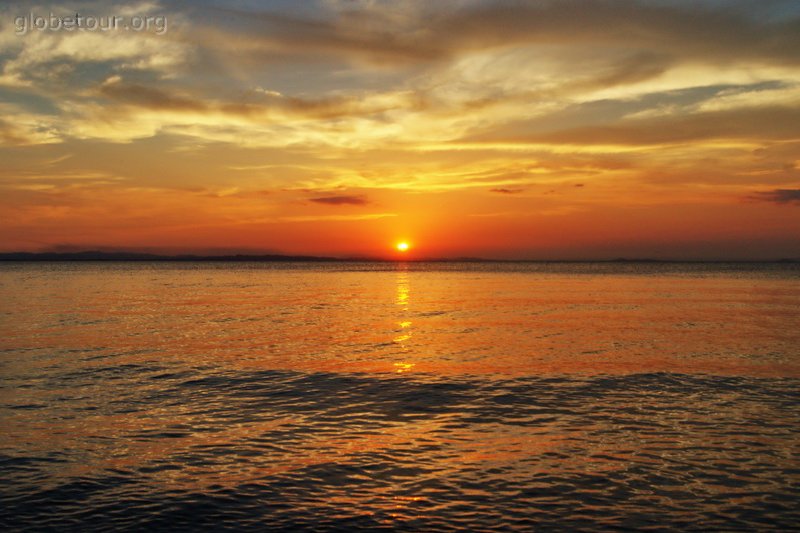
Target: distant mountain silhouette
(135, 256)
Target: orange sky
(538, 130)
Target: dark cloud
(341, 200)
(690, 29)
(779, 196)
(431, 33)
(369, 34)
(506, 191)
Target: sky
(514, 130)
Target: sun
(402, 246)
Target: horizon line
(131, 256)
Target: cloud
(778, 196)
(335, 218)
(262, 103)
(506, 191)
(149, 97)
(18, 128)
(341, 200)
(756, 123)
(412, 32)
(52, 58)
(10, 135)
(372, 75)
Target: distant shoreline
(97, 256)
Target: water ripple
(328, 451)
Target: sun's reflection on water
(403, 367)
(404, 333)
(403, 290)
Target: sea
(346, 396)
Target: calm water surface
(420, 397)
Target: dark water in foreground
(421, 398)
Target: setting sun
(402, 246)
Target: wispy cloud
(341, 200)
